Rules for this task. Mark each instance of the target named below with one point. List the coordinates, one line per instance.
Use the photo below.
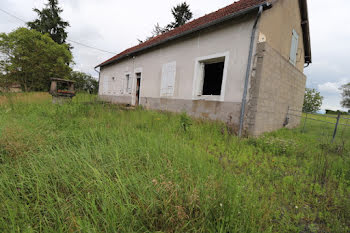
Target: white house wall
(231, 39)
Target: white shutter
(105, 85)
(294, 48)
(129, 84)
(119, 83)
(171, 78)
(163, 86)
(114, 85)
(201, 80)
(168, 79)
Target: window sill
(209, 97)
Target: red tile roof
(197, 23)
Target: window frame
(198, 80)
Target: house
(242, 64)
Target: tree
(346, 96)
(50, 22)
(182, 14)
(31, 59)
(312, 100)
(84, 82)
(157, 30)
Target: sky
(114, 25)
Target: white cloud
(332, 94)
(329, 87)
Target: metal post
(336, 126)
(304, 124)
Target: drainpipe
(246, 82)
(99, 74)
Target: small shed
(62, 90)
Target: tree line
(30, 56)
(313, 100)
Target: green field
(94, 167)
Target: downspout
(246, 82)
(99, 74)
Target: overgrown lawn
(94, 167)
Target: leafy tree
(182, 14)
(346, 96)
(31, 59)
(4, 84)
(312, 100)
(84, 82)
(50, 22)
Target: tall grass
(93, 167)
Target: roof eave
(213, 23)
(306, 30)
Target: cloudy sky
(113, 25)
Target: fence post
(304, 123)
(336, 126)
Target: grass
(94, 167)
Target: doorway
(138, 88)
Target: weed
(95, 167)
(185, 121)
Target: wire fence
(331, 127)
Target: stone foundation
(227, 112)
(116, 99)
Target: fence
(333, 126)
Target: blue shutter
(294, 48)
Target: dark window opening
(213, 74)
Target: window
(294, 48)
(128, 84)
(168, 79)
(211, 76)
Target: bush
(331, 112)
(84, 82)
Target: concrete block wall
(275, 86)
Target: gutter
(213, 23)
(305, 25)
(246, 82)
(99, 74)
